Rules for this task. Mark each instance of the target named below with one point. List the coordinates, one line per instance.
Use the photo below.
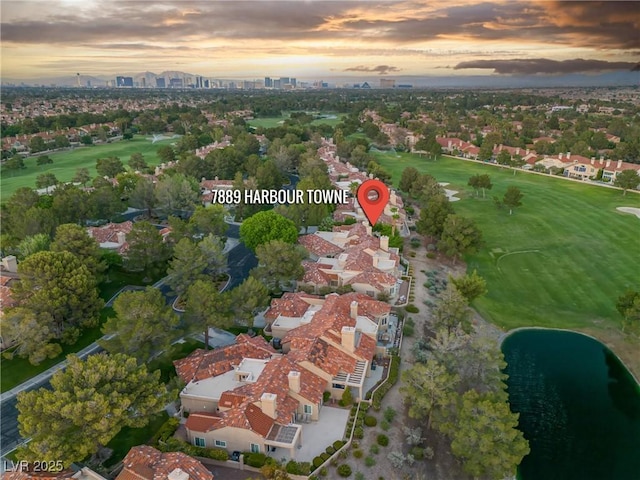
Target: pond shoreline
(626, 365)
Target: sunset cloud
(417, 36)
(534, 66)
(380, 69)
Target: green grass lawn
(271, 122)
(131, 437)
(178, 350)
(66, 163)
(561, 260)
(17, 370)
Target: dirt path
(443, 466)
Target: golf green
(66, 163)
(561, 259)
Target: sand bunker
(451, 194)
(631, 210)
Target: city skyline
(316, 39)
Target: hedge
(317, 461)
(338, 444)
(166, 431)
(370, 421)
(298, 468)
(256, 460)
(394, 373)
(175, 445)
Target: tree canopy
(89, 403)
(266, 226)
(144, 324)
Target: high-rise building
(206, 83)
(124, 81)
(387, 83)
(160, 82)
(176, 83)
(268, 83)
(293, 82)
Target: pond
(579, 407)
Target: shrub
(347, 398)
(358, 453)
(383, 297)
(417, 453)
(326, 396)
(360, 476)
(323, 472)
(317, 461)
(369, 462)
(389, 414)
(429, 453)
(217, 454)
(411, 308)
(375, 449)
(338, 444)
(382, 440)
(431, 255)
(330, 450)
(358, 433)
(325, 456)
(370, 421)
(166, 431)
(343, 454)
(397, 459)
(298, 468)
(407, 330)
(384, 425)
(256, 460)
(344, 470)
(355, 444)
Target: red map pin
(373, 196)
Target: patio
(317, 436)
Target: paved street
(9, 436)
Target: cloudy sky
(315, 38)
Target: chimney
(215, 178)
(608, 163)
(268, 402)
(518, 151)
(294, 381)
(560, 156)
(354, 309)
(384, 243)
(593, 160)
(601, 160)
(10, 263)
(121, 238)
(619, 164)
(369, 230)
(348, 335)
(393, 198)
(90, 232)
(568, 155)
(178, 474)
(526, 152)
(449, 144)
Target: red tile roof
(203, 364)
(289, 305)
(203, 422)
(261, 423)
(147, 463)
